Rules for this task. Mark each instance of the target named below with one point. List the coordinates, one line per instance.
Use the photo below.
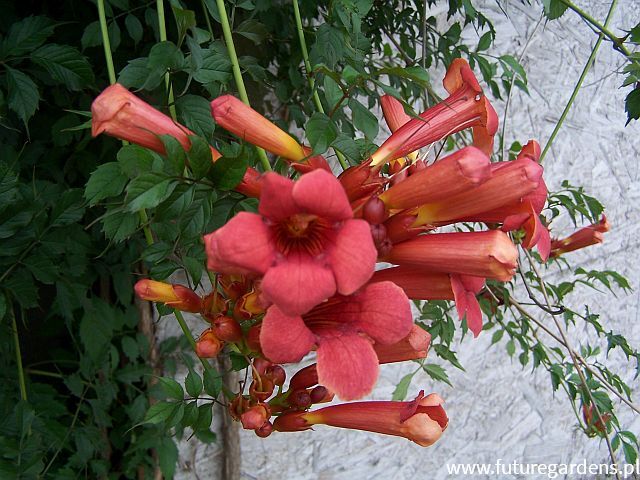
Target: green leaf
(630, 453)
(134, 27)
(485, 41)
(175, 155)
(164, 56)
(26, 35)
(332, 91)
(159, 412)
(23, 94)
(199, 155)
(193, 383)
(363, 119)
(632, 105)
(106, 181)
(137, 75)
(511, 348)
(96, 329)
(400, 392)
(167, 457)
(436, 372)
(148, 191)
(321, 132)
(216, 67)
(205, 415)
(119, 225)
(195, 111)
(227, 172)
(65, 64)
(185, 19)
(212, 382)
(554, 8)
(328, 47)
(135, 160)
(171, 388)
(253, 30)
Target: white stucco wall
(497, 409)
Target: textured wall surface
(497, 409)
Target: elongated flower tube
(507, 184)
(421, 284)
(251, 126)
(489, 254)
(176, 296)
(412, 347)
(422, 420)
(396, 117)
(465, 107)
(120, 114)
(591, 235)
(341, 329)
(304, 241)
(454, 174)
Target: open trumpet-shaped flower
(304, 241)
(489, 254)
(465, 107)
(421, 284)
(246, 123)
(120, 114)
(591, 235)
(341, 328)
(422, 420)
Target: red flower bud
(300, 399)
(277, 374)
(255, 417)
(265, 430)
(176, 296)
(320, 394)
(226, 328)
(375, 211)
(208, 345)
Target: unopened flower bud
(176, 296)
(253, 338)
(255, 417)
(277, 374)
(300, 399)
(305, 378)
(320, 394)
(227, 328)
(374, 211)
(238, 406)
(265, 430)
(261, 365)
(208, 345)
(379, 234)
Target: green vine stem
(16, 343)
(163, 38)
(603, 29)
(307, 67)
(237, 74)
(583, 75)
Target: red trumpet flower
(422, 420)
(591, 235)
(412, 347)
(304, 241)
(421, 284)
(246, 123)
(465, 107)
(120, 114)
(347, 362)
(488, 254)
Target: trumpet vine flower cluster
(329, 264)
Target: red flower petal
(298, 284)
(353, 256)
(384, 312)
(244, 243)
(347, 365)
(466, 302)
(276, 201)
(284, 339)
(321, 193)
